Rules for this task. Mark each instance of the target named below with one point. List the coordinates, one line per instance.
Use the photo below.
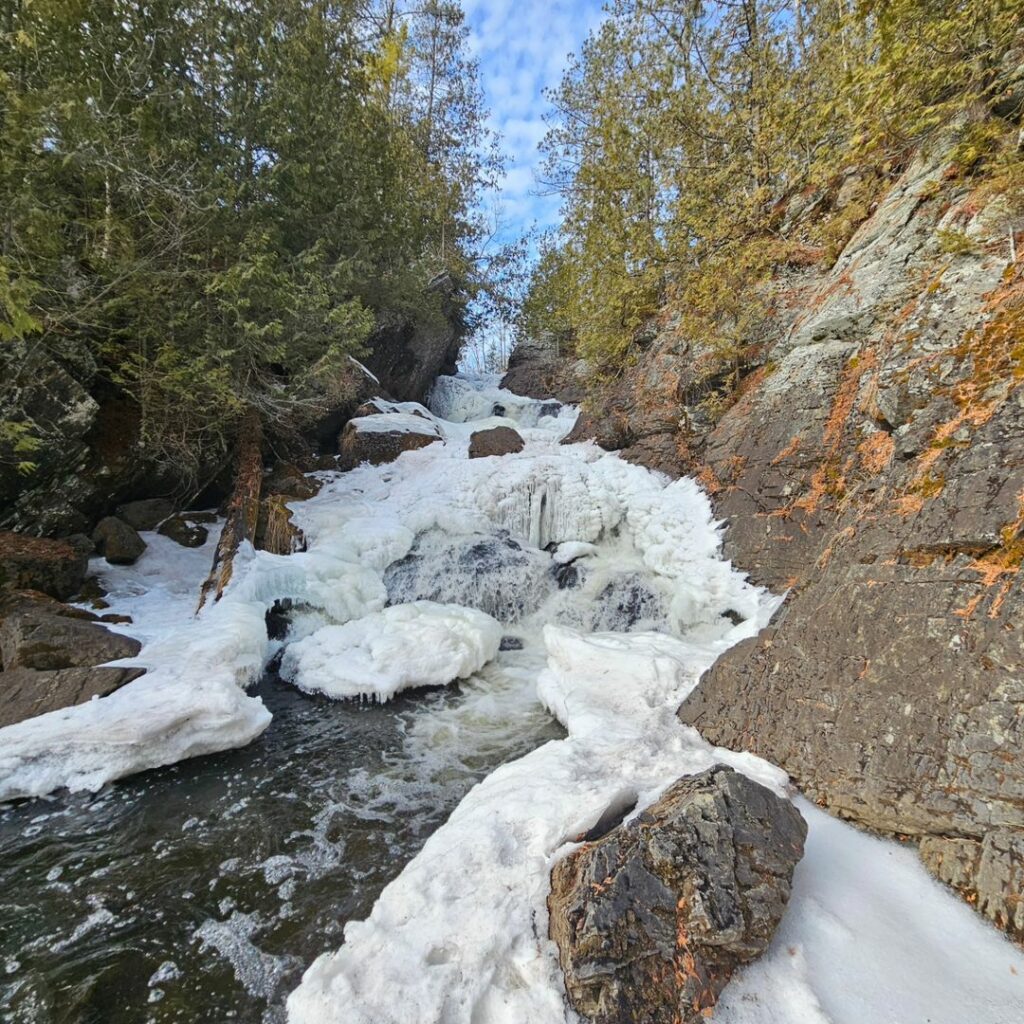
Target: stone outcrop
(870, 464)
(545, 368)
(54, 567)
(494, 441)
(117, 542)
(408, 353)
(187, 528)
(41, 639)
(25, 693)
(652, 919)
(146, 514)
(382, 438)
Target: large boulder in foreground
(25, 693)
(382, 438)
(652, 919)
(495, 441)
(54, 567)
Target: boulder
(287, 479)
(117, 542)
(652, 919)
(38, 638)
(495, 441)
(145, 515)
(25, 693)
(54, 567)
(184, 530)
(380, 439)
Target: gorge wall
(872, 466)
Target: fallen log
(243, 507)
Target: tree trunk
(243, 508)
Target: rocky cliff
(871, 464)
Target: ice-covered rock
(404, 646)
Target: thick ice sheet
(418, 644)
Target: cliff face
(873, 464)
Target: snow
(394, 423)
(408, 645)
(571, 550)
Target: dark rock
(184, 530)
(494, 441)
(567, 576)
(25, 693)
(361, 442)
(117, 542)
(652, 920)
(733, 616)
(40, 639)
(510, 643)
(544, 368)
(54, 567)
(147, 514)
(408, 353)
(287, 479)
(626, 601)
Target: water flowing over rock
(652, 919)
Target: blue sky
(522, 46)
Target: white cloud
(523, 46)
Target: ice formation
(407, 645)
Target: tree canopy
(207, 198)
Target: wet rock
(25, 693)
(626, 601)
(494, 574)
(652, 920)
(117, 542)
(494, 441)
(369, 439)
(54, 567)
(145, 515)
(184, 530)
(567, 576)
(510, 643)
(40, 639)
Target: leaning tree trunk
(243, 508)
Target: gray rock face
(117, 542)
(184, 530)
(53, 567)
(25, 693)
(361, 441)
(147, 514)
(652, 919)
(872, 466)
(44, 640)
(541, 368)
(495, 441)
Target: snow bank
(418, 644)
(394, 423)
(461, 935)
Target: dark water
(201, 892)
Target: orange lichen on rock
(876, 451)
